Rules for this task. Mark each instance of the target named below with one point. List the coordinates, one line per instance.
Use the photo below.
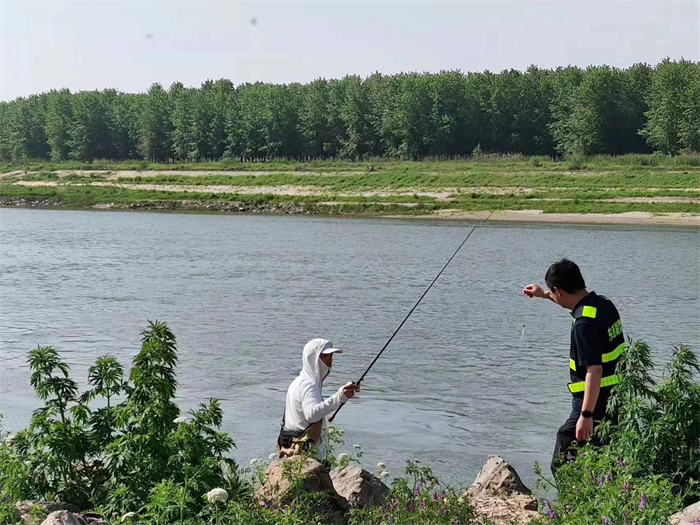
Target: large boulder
(62, 517)
(47, 507)
(499, 494)
(281, 489)
(358, 486)
(497, 478)
(689, 516)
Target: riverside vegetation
(569, 110)
(123, 450)
(578, 184)
(566, 140)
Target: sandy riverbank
(633, 218)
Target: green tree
(126, 111)
(183, 141)
(59, 122)
(156, 125)
(26, 135)
(673, 106)
(93, 122)
(690, 123)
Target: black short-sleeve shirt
(591, 337)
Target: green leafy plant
(133, 453)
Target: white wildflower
(254, 461)
(383, 474)
(272, 456)
(331, 431)
(217, 496)
(460, 500)
(181, 419)
(381, 466)
(9, 439)
(128, 516)
(356, 446)
(343, 457)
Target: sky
(128, 45)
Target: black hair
(565, 275)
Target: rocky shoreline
(498, 495)
(518, 216)
(193, 205)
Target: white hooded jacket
(305, 404)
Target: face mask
(323, 369)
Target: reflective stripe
(611, 356)
(589, 311)
(580, 386)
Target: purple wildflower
(621, 462)
(602, 482)
(416, 490)
(421, 505)
(569, 456)
(627, 518)
(606, 521)
(626, 486)
(643, 502)
(456, 520)
(549, 509)
(394, 503)
(441, 496)
(442, 510)
(696, 522)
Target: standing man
(596, 345)
(305, 409)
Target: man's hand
(584, 428)
(535, 290)
(350, 389)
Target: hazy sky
(129, 45)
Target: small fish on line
(523, 332)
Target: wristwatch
(587, 414)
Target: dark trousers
(566, 436)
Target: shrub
(120, 456)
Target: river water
(478, 369)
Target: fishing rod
(416, 305)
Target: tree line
(570, 110)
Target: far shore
(517, 216)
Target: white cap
(328, 349)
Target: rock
(359, 487)
(278, 492)
(689, 516)
(62, 517)
(501, 510)
(500, 495)
(25, 508)
(91, 518)
(497, 478)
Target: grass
(574, 185)
(85, 196)
(486, 162)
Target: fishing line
(479, 223)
